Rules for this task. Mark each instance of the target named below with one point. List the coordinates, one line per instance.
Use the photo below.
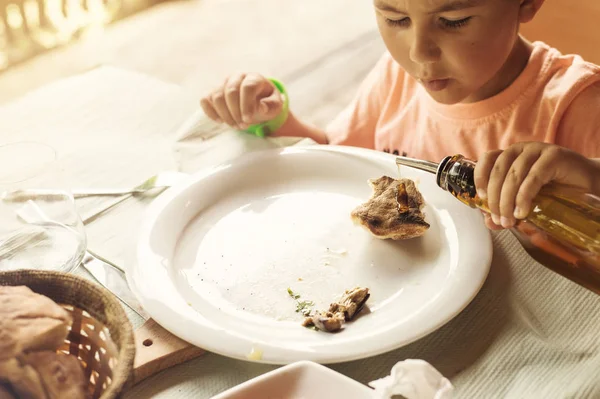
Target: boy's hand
(510, 179)
(243, 100)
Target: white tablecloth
(528, 334)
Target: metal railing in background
(31, 27)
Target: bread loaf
(22, 379)
(61, 375)
(30, 322)
(32, 328)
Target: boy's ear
(528, 9)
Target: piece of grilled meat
(393, 211)
(344, 310)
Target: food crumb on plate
(341, 251)
(255, 354)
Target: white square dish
(299, 380)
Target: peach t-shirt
(556, 99)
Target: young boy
(458, 78)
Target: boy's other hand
(243, 100)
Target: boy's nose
(423, 50)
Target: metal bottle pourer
(427, 166)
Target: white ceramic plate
(217, 254)
(300, 380)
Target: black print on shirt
(395, 152)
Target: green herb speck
(304, 307)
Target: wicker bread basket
(101, 336)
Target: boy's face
(460, 50)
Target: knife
(156, 349)
(109, 275)
(113, 279)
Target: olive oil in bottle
(562, 231)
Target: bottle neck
(456, 174)
(442, 172)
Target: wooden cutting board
(156, 350)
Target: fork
(161, 180)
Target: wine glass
(40, 227)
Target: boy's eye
(455, 24)
(398, 22)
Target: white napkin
(201, 143)
(413, 379)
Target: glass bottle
(562, 231)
